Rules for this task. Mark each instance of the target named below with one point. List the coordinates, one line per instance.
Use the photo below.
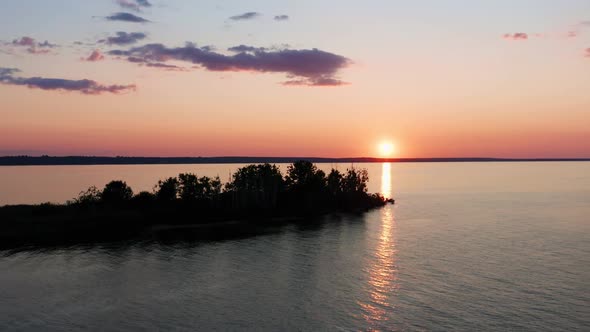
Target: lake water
(468, 246)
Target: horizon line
(27, 160)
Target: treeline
(189, 207)
(304, 188)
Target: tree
(355, 181)
(116, 192)
(144, 197)
(188, 186)
(167, 190)
(304, 176)
(191, 187)
(209, 187)
(334, 182)
(90, 196)
(256, 186)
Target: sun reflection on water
(381, 269)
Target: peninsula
(257, 195)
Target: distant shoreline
(83, 160)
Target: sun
(386, 149)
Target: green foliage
(116, 192)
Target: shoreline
(58, 225)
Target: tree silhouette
(116, 192)
(334, 182)
(191, 187)
(90, 196)
(303, 175)
(167, 190)
(188, 186)
(144, 198)
(355, 181)
(256, 186)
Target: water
(468, 246)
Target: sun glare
(386, 149)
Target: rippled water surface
(468, 246)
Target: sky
(452, 78)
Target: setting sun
(386, 149)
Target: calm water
(468, 246)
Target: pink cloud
(33, 47)
(96, 55)
(516, 36)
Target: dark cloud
(148, 63)
(135, 5)
(585, 23)
(281, 17)
(47, 44)
(32, 46)
(127, 17)
(244, 48)
(96, 55)
(306, 67)
(164, 66)
(587, 53)
(125, 38)
(245, 16)
(24, 41)
(516, 36)
(84, 86)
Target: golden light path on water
(381, 267)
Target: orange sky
(452, 87)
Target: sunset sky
(465, 78)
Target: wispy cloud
(153, 64)
(85, 86)
(319, 81)
(281, 17)
(310, 67)
(96, 55)
(126, 17)
(124, 38)
(516, 36)
(32, 46)
(135, 5)
(245, 16)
